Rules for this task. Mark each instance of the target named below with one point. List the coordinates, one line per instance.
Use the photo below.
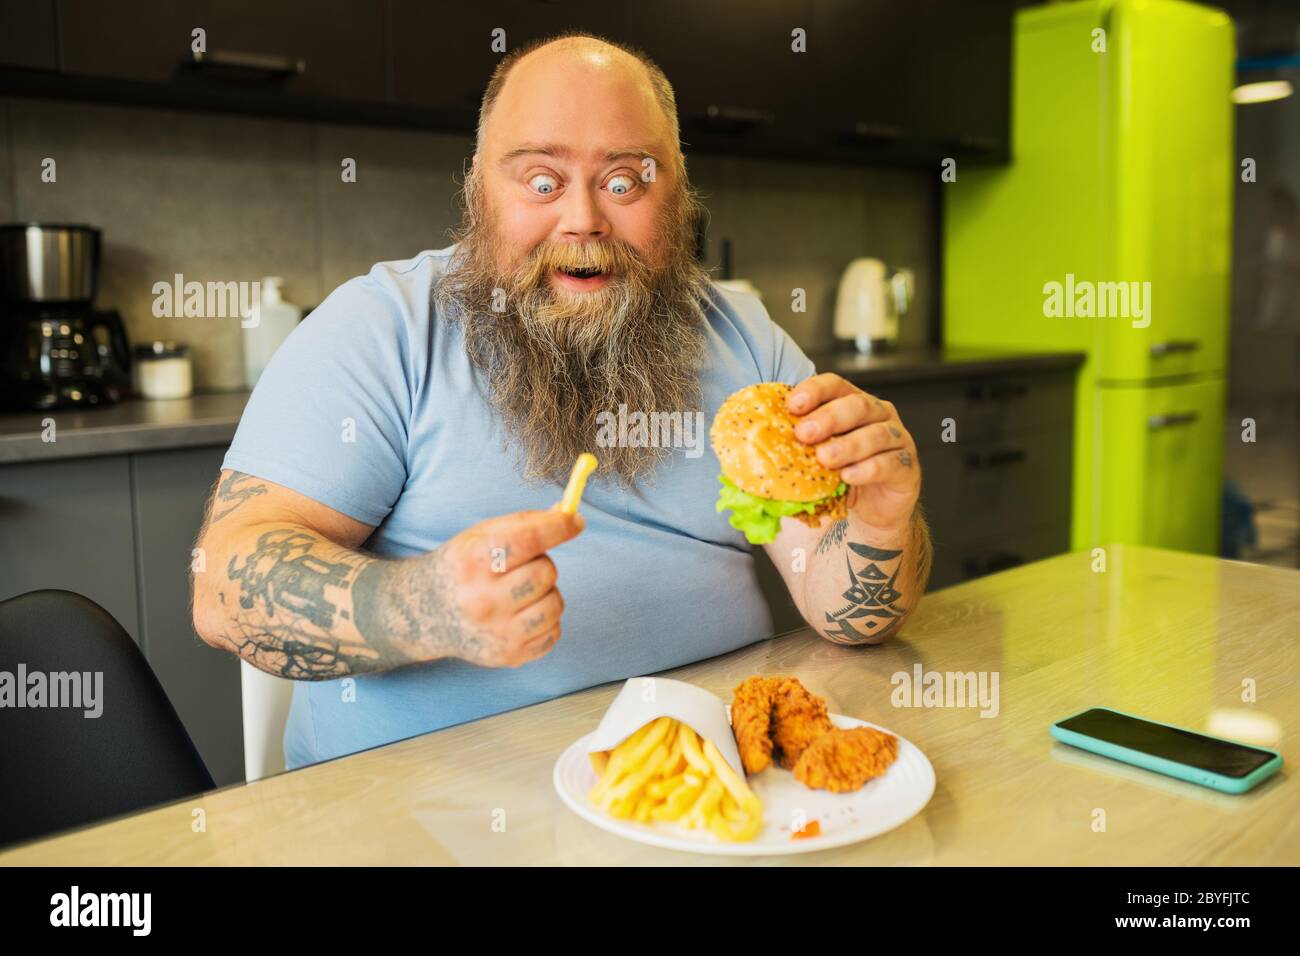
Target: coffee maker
(56, 349)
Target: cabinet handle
(1173, 418)
(733, 120)
(250, 62)
(870, 134)
(1161, 349)
(995, 459)
(971, 145)
(996, 391)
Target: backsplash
(233, 198)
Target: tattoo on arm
(833, 536)
(233, 492)
(872, 600)
(401, 605)
(291, 609)
(873, 607)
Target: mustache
(609, 256)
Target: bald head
(570, 70)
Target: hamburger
(768, 473)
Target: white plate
(883, 804)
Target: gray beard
(553, 361)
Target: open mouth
(582, 273)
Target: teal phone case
(1169, 768)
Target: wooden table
(1166, 635)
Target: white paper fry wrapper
(644, 699)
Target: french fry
(678, 802)
(745, 798)
(666, 773)
(694, 756)
(582, 468)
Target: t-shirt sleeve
(329, 416)
(789, 363)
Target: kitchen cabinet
(887, 82)
(28, 35)
(740, 86)
(67, 525)
(119, 530)
(998, 494)
(442, 53)
(336, 49)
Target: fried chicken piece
(775, 718)
(844, 760)
(751, 720)
(798, 718)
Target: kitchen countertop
(210, 419)
(1167, 635)
(939, 364)
(130, 426)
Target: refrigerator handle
(1156, 422)
(1174, 345)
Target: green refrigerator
(1110, 233)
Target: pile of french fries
(665, 772)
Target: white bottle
(266, 325)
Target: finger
(528, 583)
(813, 391)
(537, 618)
(895, 467)
(841, 415)
(539, 646)
(514, 540)
(860, 444)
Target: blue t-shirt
(658, 578)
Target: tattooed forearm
(294, 602)
(291, 608)
(402, 606)
(232, 492)
(307, 609)
(878, 587)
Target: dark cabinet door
(338, 44)
(960, 86)
(67, 525)
(170, 489)
(866, 54)
(915, 82)
(741, 83)
(28, 34)
(443, 54)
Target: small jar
(162, 370)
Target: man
(431, 410)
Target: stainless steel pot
(48, 262)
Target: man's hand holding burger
(862, 438)
(827, 478)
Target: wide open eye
(543, 184)
(622, 184)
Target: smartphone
(1197, 758)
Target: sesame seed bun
(753, 437)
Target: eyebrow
(564, 152)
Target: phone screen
(1171, 743)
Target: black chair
(60, 768)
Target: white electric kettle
(870, 301)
